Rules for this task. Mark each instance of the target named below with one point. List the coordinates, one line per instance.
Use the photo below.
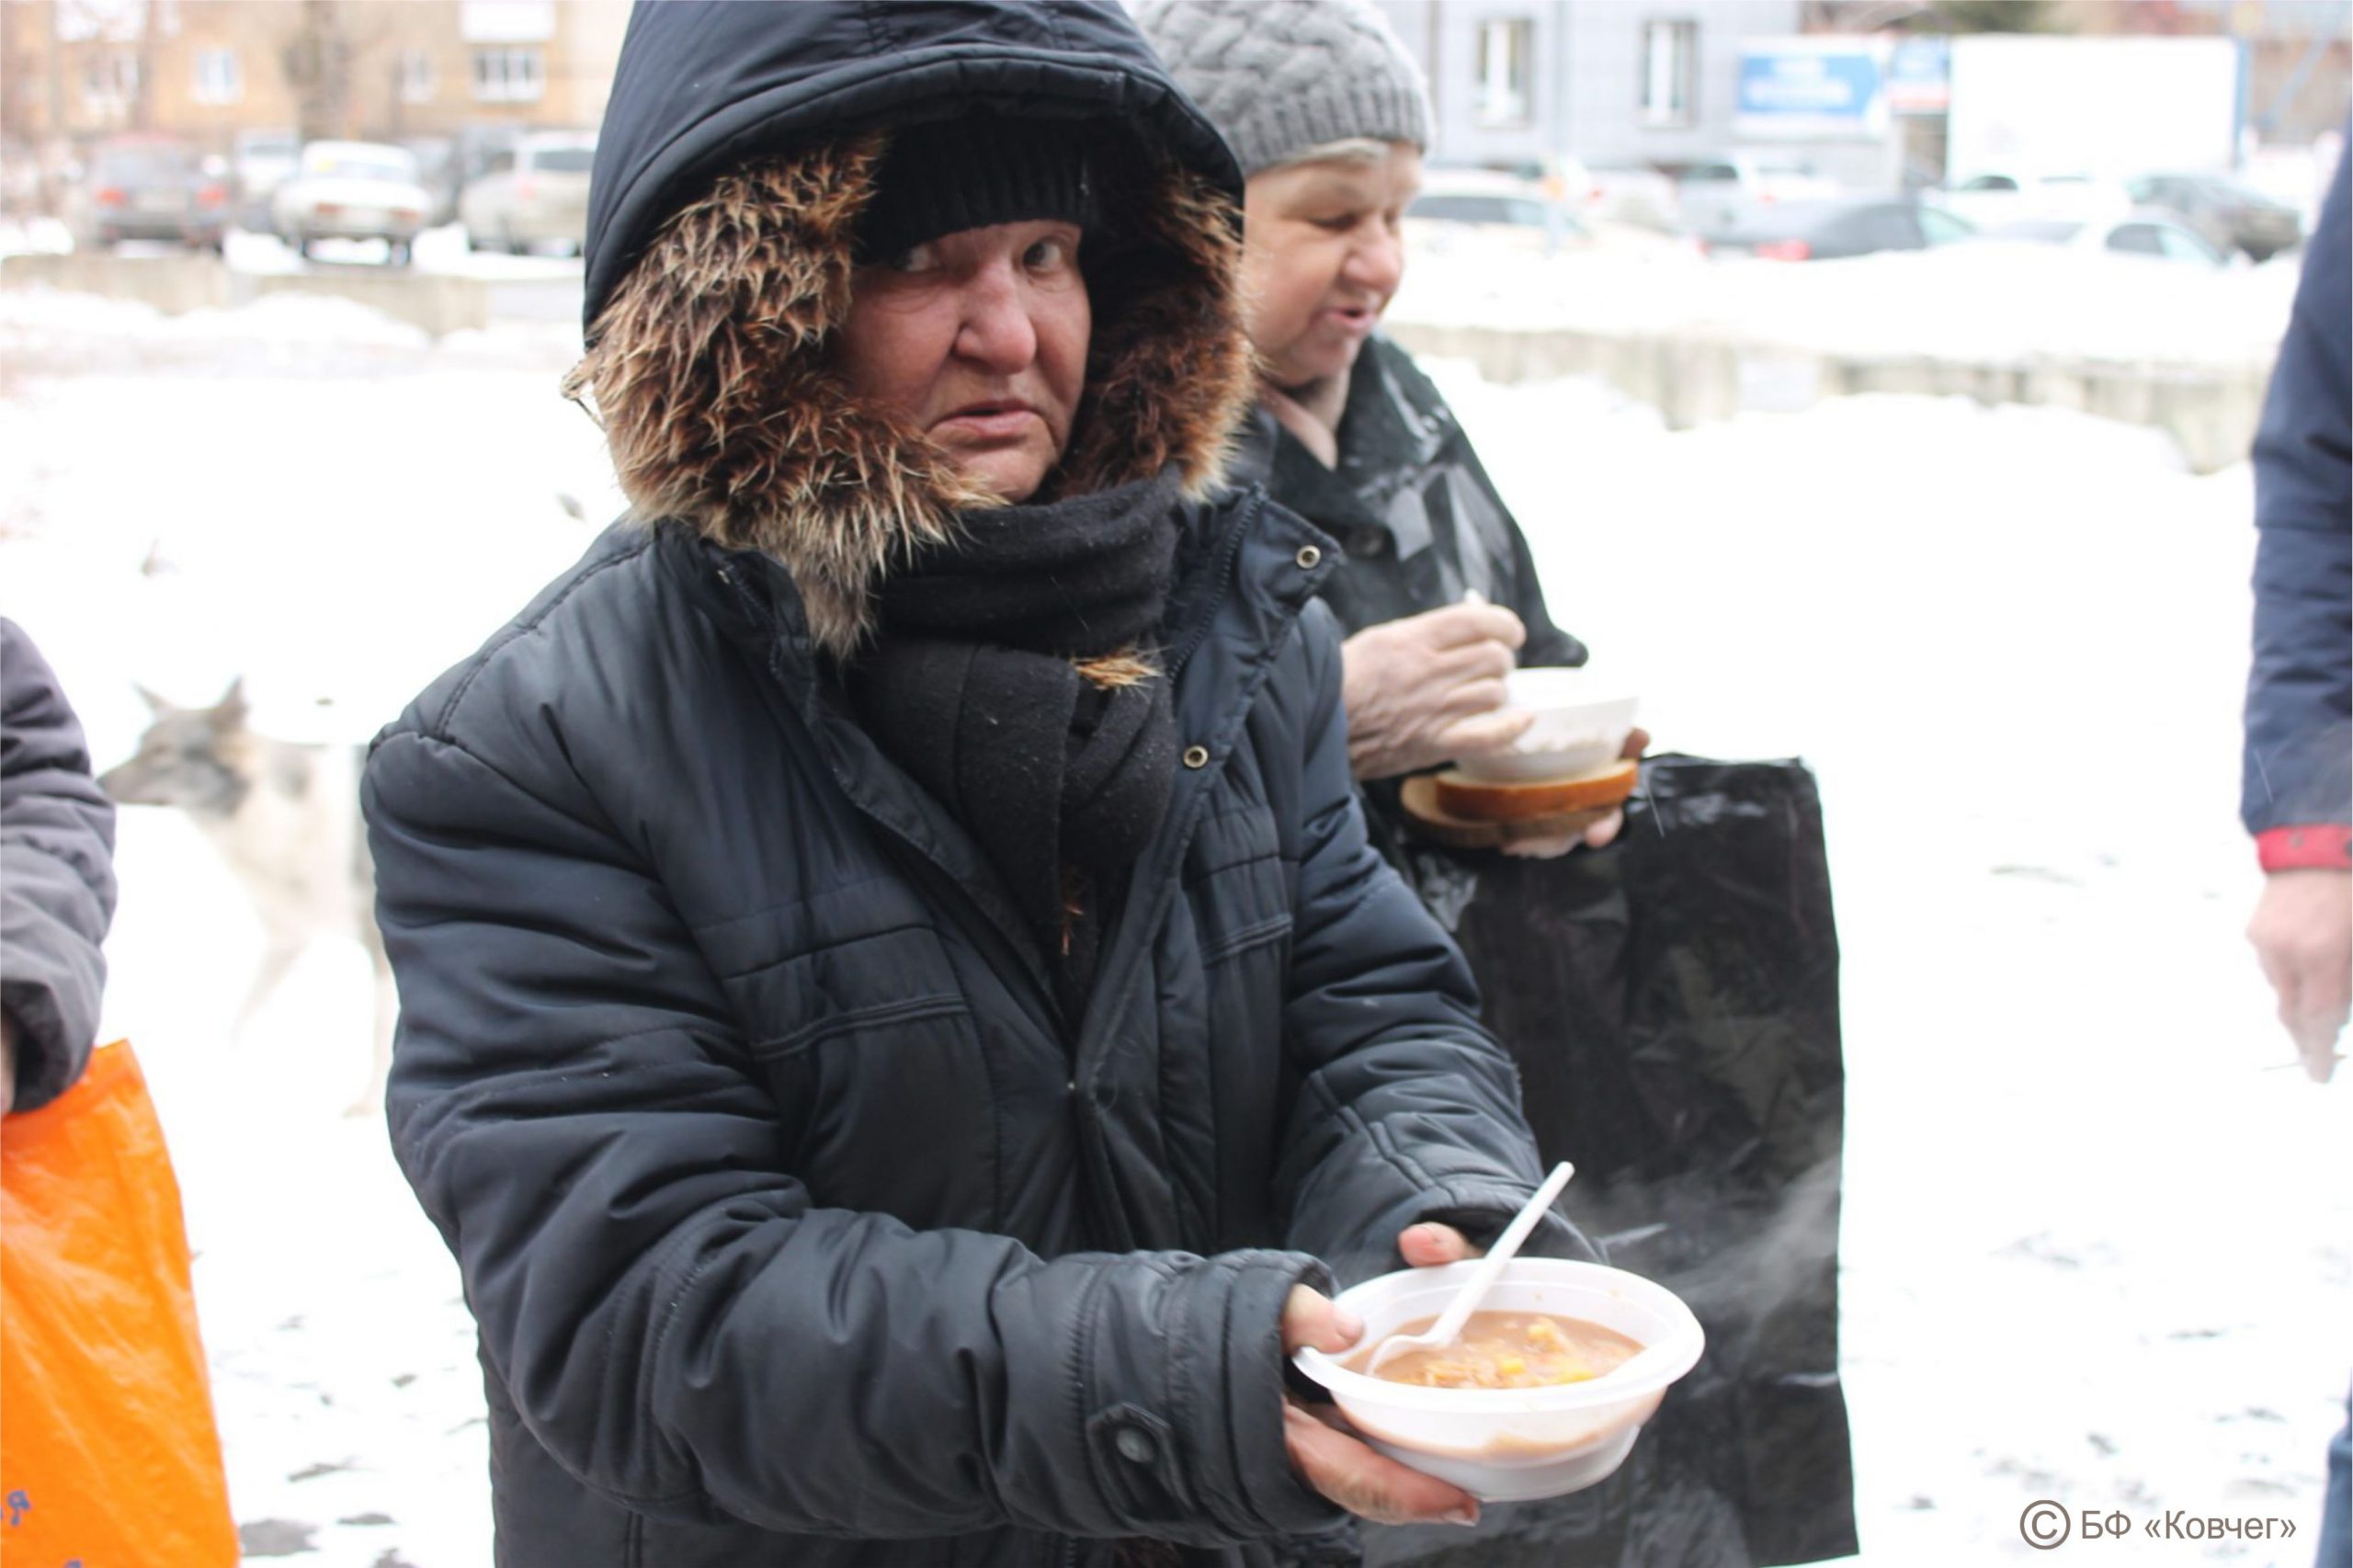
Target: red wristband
(2326, 848)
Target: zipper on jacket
(1229, 553)
(1007, 956)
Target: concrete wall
(2210, 411)
(173, 284)
(177, 284)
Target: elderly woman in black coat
(901, 1022)
(1437, 592)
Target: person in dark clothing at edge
(902, 1023)
(1437, 593)
(57, 887)
(2297, 795)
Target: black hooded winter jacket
(799, 1226)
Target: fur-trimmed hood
(708, 357)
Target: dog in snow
(285, 818)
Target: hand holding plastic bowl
(1507, 1445)
(1582, 721)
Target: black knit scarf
(972, 687)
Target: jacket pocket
(1243, 937)
(882, 1077)
(1236, 883)
(880, 1015)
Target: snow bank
(1976, 302)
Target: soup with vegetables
(1510, 1350)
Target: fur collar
(707, 370)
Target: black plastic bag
(1673, 1003)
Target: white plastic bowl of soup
(1582, 721)
(1507, 1444)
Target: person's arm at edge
(57, 883)
(2297, 796)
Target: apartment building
(1612, 81)
(72, 71)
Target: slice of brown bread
(1463, 796)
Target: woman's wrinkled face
(980, 338)
(1322, 253)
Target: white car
(1715, 193)
(1990, 198)
(1620, 193)
(353, 190)
(1456, 205)
(2153, 234)
(531, 193)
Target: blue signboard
(1811, 89)
(1919, 76)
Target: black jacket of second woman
(801, 1224)
(1419, 520)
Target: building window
(220, 78)
(419, 82)
(109, 81)
(1507, 64)
(509, 76)
(1670, 72)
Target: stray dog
(285, 818)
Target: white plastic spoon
(1474, 1290)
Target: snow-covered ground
(2099, 1245)
(1980, 303)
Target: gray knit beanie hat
(1281, 76)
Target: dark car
(2231, 214)
(437, 171)
(1457, 206)
(150, 188)
(1825, 230)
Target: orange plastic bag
(108, 1455)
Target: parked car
(262, 158)
(2231, 213)
(1827, 230)
(532, 193)
(476, 145)
(1456, 204)
(438, 172)
(1992, 197)
(353, 190)
(2150, 233)
(1622, 193)
(1715, 192)
(150, 188)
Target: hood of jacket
(740, 146)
